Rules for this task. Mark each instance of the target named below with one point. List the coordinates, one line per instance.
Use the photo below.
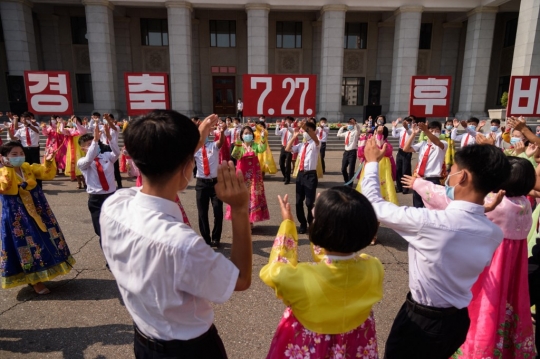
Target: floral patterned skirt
(30, 255)
(501, 325)
(294, 341)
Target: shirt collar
(467, 207)
(158, 204)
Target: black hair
(242, 132)
(111, 116)
(78, 120)
(384, 131)
(345, 221)
(263, 117)
(383, 118)
(488, 165)
(312, 120)
(498, 122)
(352, 118)
(262, 123)
(289, 118)
(323, 119)
(434, 124)
(7, 147)
(27, 114)
(522, 177)
(84, 138)
(228, 118)
(474, 120)
(410, 119)
(96, 114)
(236, 119)
(311, 125)
(449, 120)
(161, 141)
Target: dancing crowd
(474, 273)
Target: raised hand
(399, 120)
(531, 149)
(482, 124)
(483, 140)
(519, 147)
(285, 208)
(408, 181)
(516, 124)
(455, 123)
(488, 207)
(394, 123)
(372, 152)
(230, 186)
(463, 124)
(415, 129)
(96, 133)
(423, 127)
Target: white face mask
(187, 178)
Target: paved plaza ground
(84, 316)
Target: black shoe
(406, 191)
(399, 191)
(302, 230)
(215, 244)
(287, 181)
(284, 179)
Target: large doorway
(224, 88)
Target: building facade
(363, 52)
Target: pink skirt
(501, 325)
(292, 340)
(251, 169)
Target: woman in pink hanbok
(501, 325)
(245, 152)
(55, 142)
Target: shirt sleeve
(417, 147)
(86, 161)
(45, 171)
(207, 274)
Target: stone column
(123, 55)
(449, 55)
(333, 30)
(385, 59)
(179, 19)
(316, 64)
(196, 74)
(257, 29)
(101, 46)
(476, 62)
(50, 37)
(19, 37)
(527, 48)
(405, 58)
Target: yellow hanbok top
(266, 160)
(328, 297)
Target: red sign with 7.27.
(279, 95)
(524, 96)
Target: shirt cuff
(372, 167)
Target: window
(78, 30)
(504, 85)
(425, 36)
(510, 32)
(154, 32)
(356, 35)
(222, 33)
(289, 35)
(84, 88)
(352, 91)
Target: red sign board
(524, 96)
(146, 92)
(48, 92)
(279, 95)
(430, 96)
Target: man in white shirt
(448, 249)
(207, 162)
(98, 171)
(469, 137)
(108, 119)
(348, 162)
(322, 133)
(285, 131)
(403, 159)
(28, 134)
(306, 181)
(167, 275)
(431, 154)
(240, 109)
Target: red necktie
(285, 138)
(466, 140)
(303, 157)
(28, 139)
(206, 165)
(403, 140)
(347, 139)
(101, 175)
(320, 133)
(423, 164)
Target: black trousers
(240, 114)
(285, 160)
(207, 346)
(32, 156)
(95, 202)
(403, 167)
(417, 199)
(322, 154)
(117, 175)
(422, 332)
(306, 189)
(206, 193)
(348, 164)
(534, 293)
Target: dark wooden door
(224, 90)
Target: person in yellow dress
(34, 249)
(74, 130)
(265, 158)
(329, 302)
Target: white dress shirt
(351, 135)
(240, 106)
(400, 132)
(166, 273)
(281, 132)
(448, 249)
(312, 154)
(435, 159)
(7, 126)
(233, 131)
(212, 153)
(499, 139)
(34, 136)
(325, 131)
(468, 138)
(88, 167)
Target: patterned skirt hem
(36, 277)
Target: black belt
(207, 180)
(100, 194)
(430, 312)
(308, 172)
(164, 346)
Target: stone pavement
(84, 316)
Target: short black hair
(96, 114)
(410, 119)
(311, 125)
(345, 221)
(289, 118)
(160, 141)
(7, 147)
(262, 123)
(498, 122)
(26, 114)
(263, 117)
(84, 138)
(434, 124)
(522, 177)
(246, 128)
(384, 131)
(488, 164)
(474, 120)
(236, 119)
(323, 119)
(312, 120)
(111, 116)
(383, 118)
